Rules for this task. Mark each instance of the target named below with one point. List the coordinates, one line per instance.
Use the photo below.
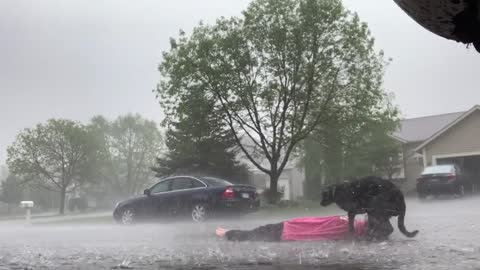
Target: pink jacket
(320, 228)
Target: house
(291, 179)
(290, 182)
(439, 139)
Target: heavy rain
(447, 240)
(241, 134)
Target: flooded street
(124, 111)
(449, 231)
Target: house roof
(448, 126)
(421, 128)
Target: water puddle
(270, 266)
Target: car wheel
(128, 217)
(199, 212)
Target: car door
(184, 190)
(158, 198)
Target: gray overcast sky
(78, 58)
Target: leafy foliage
(11, 190)
(53, 156)
(199, 143)
(128, 147)
(284, 68)
(354, 145)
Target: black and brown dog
(377, 197)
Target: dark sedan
(444, 179)
(188, 196)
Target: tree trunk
(273, 191)
(129, 183)
(63, 193)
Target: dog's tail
(401, 222)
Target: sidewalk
(34, 216)
(56, 218)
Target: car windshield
(216, 182)
(439, 169)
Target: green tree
(128, 147)
(198, 142)
(276, 73)
(53, 156)
(382, 153)
(11, 191)
(352, 145)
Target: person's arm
(271, 232)
(235, 235)
(238, 235)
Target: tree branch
(240, 144)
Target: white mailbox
(26, 204)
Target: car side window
(181, 183)
(163, 186)
(197, 184)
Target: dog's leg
(380, 227)
(389, 227)
(351, 222)
(385, 230)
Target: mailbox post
(27, 205)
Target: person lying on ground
(311, 229)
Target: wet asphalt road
(448, 239)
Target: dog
(379, 228)
(377, 197)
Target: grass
(101, 220)
(303, 209)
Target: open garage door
(470, 164)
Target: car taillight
(452, 177)
(228, 193)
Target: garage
(457, 143)
(469, 163)
(449, 138)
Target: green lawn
(275, 212)
(77, 221)
(302, 210)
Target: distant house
(439, 139)
(290, 181)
